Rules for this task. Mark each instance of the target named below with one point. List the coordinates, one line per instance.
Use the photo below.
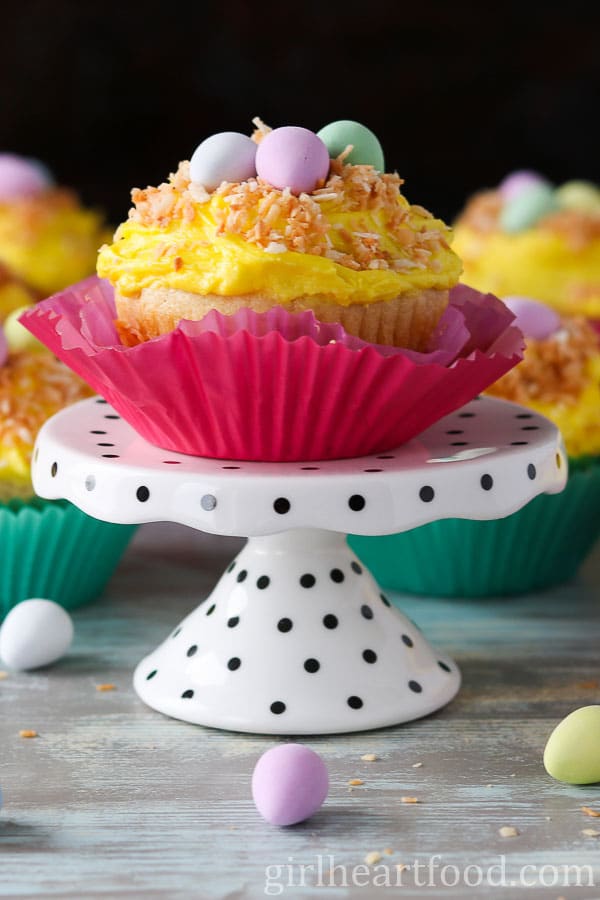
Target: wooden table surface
(115, 800)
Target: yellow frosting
(536, 263)
(49, 241)
(229, 265)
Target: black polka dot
(455, 431)
(369, 656)
(242, 575)
(54, 469)
(233, 621)
(110, 456)
(356, 567)
(466, 415)
(310, 468)
(187, 695)
(281, 505)
(330, 621)
(97, 432)
(208, 502)
(284, 625)
(487, 482)
(211, 609)
(531, 471)
(354, 702)
(278, 707)
(459, 444)
(191, 651)
(112, 416)
(407, 640)
(151, 674)
(307, 580)
(415, 686)
(426, 493)
(142, 493)
(176, 632)
(172, 462)
(230, 467)
(337, 575)
(263, 582)
(104, 444)
(530, 428)
(366, 611)
(524, 416)
(101, 400)
(443, 666)
(519, 443)
(372, 470)
(385, 600)
(231, 566)
(385, 457)
(234, 663)
(312, 665)
(356, 502)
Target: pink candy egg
(289, 784)
(536, 320)
(292, 157)
(20, 177)
(517, 182)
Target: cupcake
(531, 239)
(47, 239)
(545, 542)
(49, 549)
(274, 221)
(14, 292)
(278, 299)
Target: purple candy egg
(289, 784)
(292, 157)
(20, 177)
(517, 182)
(536, 320)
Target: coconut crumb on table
(369, 757)
(594, 813)
(388, 851)
(417, 765)
(3, 675)
(28, 733)
(591, 832)
(508, 831)
(354, 782)
(106, 687)
(409, 800)
(373, 857)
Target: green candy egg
(580, 196)
(366, 148)
(527, 208)
(17, 336)
(572, 753)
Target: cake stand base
(296, 638)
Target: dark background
(113, 95)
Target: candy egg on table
(518, 182)
(536, 320)
(366, 149)
(17, 336)
(572, 753)
(292, 157)
(579, 196)
(289, 784)
(20, 177)
(35, 633)
(227, 156)
(527, 207)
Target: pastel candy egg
(3, 347)
(580, 196)
(227, 156)
(525, 209)
(35, 633)
(517, 182)
(535, 319)
(366, 149)
(17, 336)
(292, 157)
(20, 177)
(289, 784)
(572, 753)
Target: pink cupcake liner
(277, 386)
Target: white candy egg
(227, 156)
(35, 633)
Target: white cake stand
(296, 637)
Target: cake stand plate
(296, 638)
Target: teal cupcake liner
(541, 545)
(51, 549)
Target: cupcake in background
(14, 292)
(529, 238)
(47, 239)
(49, 548)
(545, 542)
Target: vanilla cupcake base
(405, 321)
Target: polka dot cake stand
(297, 638)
